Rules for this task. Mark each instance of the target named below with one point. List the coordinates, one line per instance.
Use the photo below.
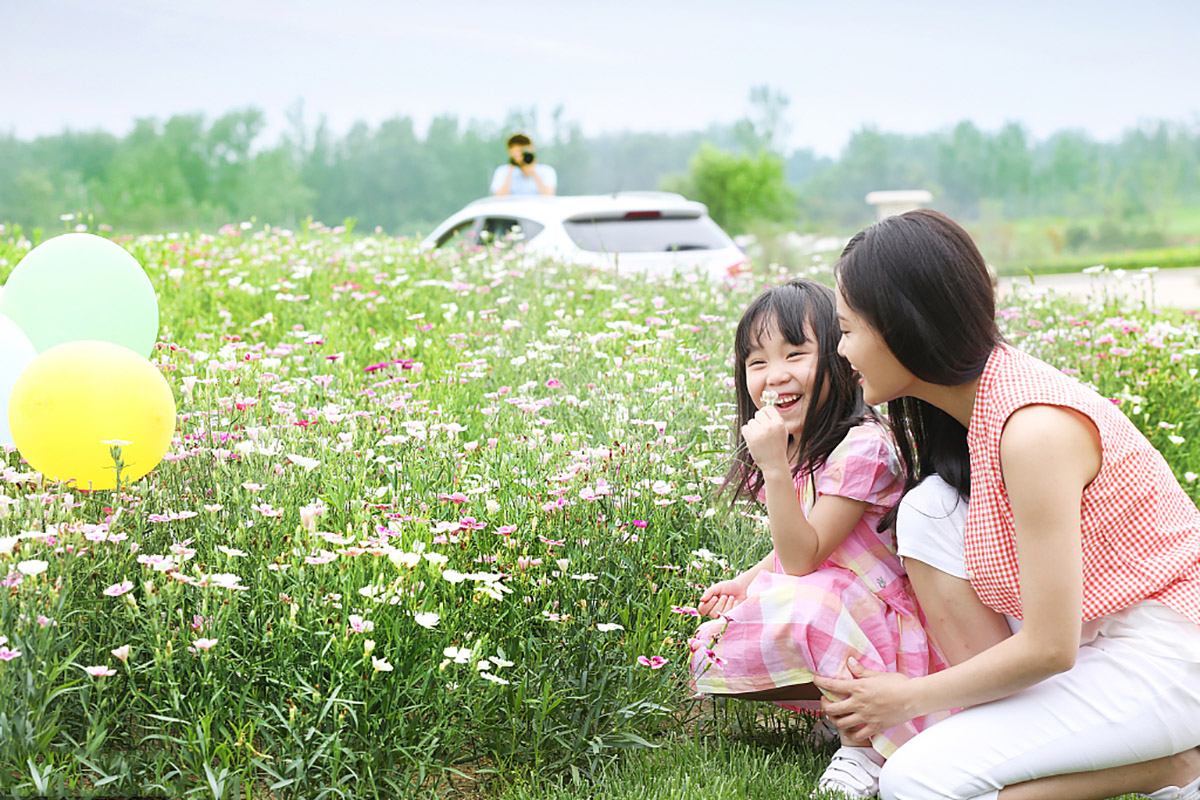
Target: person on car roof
(522, 175)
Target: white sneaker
(1189, 792)
(852, 774)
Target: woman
(1076, 527)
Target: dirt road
(1174, 288)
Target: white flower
(231, 552)
(381, 664)
(100, 671)
(1176, 439)
(427, 619)
(436, 558)
(453, 575)
(606, 627)
(309, 464)
(493, 678)
(460, 655)
(402, 559)
(33, 566)
(1190, 477)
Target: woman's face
(880, 373)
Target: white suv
(650, 232)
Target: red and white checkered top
(1141, 532)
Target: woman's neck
(957, 401)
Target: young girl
(833, 587)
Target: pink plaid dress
(858, 603)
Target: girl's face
(776, 365)
(881, 374)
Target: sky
(908, 66)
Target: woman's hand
(721, 597)
(766, 438)
(871, 702)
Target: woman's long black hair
(919, 280)
(798, 309)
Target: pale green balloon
(81, 286)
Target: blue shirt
(521, 184)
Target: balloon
(81, 286)
(75, 400)
(16, 351)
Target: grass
(432, 509)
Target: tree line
(192, 172)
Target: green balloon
(81, 286)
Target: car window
(499, 227)
(461, 235)
(649, 234)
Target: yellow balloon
(77, 400)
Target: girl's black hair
(919, 280)
(790, 308)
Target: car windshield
(646, 234)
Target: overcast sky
(907, 66)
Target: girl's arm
(724, 595)
(801, 544)
(1048, 455)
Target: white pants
(1125, 701)
(1116, 706)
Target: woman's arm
(1049, 455)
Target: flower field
(422, 516)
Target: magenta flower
(688, 610)
(118, 589)
(653, 662)
(640, 523)
(9, 655)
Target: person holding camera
(522, 175)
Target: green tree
(738, 189)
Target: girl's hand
(872, 701)
(766, 438)
(721, 597)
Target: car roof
(560, 207)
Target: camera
(526, 157)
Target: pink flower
(118, 589)
(506, 530)
(456, 497)
(9, 655)
(553, 383)
(688, 610)
(640, 523)
(100, 671)
(202, 644)
(121, 653)
(653, 662)
(360, 625)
